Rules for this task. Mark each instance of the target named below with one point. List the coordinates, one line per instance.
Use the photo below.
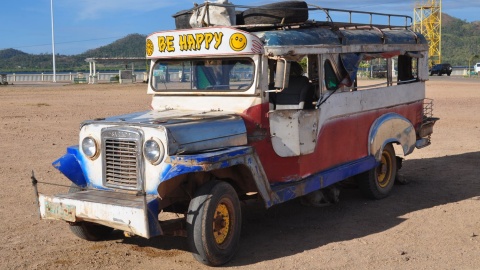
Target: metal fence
(78, 77)
(70, 77)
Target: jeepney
(235, 116)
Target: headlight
(153, 151)
(90, 147)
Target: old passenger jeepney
(234, 115)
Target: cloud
(96, 9)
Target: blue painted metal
(181, 164)
(153, 209)
(69, 165)
(325, 36)
(403, 37)
(361, 37)
(285, 192)
(196, 133)
(272, 194)
(309, 36)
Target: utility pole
(53, 43)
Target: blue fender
(223, 158)
(391, 128)
(69, 166)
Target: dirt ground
(431, 223)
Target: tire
(214, 223)
(276, 12)
(239, 18)
(182, 19)
(377, 183)
(87, 230)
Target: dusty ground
(431, 223)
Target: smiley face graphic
(149, 47)
(238, 42)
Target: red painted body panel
(340, 140)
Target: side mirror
(282, 74)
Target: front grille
(122, 163)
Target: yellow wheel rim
(221, 223)
(384, 171)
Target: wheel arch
(239, 176)
(391, 128)
(239, 167)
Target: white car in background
(477, 67)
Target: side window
(374, 71)
(407, 69)
(331, 80)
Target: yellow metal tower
(427, 19)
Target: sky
(80, 25)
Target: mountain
(460, 41)
(12, 60)
(132, 45)
(9, 53)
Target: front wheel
(377, 183)
(87, 230)
(214, 223)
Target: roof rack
(329, 22)
(372, 15)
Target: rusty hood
(187, 131)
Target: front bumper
(137, 214)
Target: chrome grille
(122, 163)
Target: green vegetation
(460, 41)
(12, 60)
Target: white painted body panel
(127, 215)
(294, 132)
(236, 104)
(93, 168)
(287, 127)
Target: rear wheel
(87, 230)
(377, 183)
(214, 223)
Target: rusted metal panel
(310, 36)
(117, 210)
(197, 132)
(294, 132)
(188, 131)
(288, 191)
(391, 128)
(323, 40)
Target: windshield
(203, 74)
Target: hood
(187, 131)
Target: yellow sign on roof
(202, 42)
